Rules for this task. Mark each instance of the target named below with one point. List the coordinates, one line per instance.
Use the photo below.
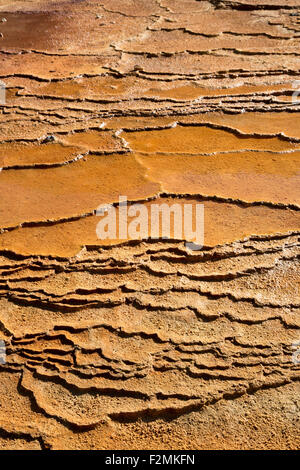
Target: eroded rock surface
(145, 343)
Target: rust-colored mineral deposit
(133, 341)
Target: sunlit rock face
(145, 343)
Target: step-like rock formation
(145, 343)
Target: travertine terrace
(144, 344)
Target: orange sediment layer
(246, 176)
(136, 342)
(224, 222)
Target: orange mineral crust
(247, 176)
(224, 222)
(149, 335)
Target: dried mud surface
(144, 344)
